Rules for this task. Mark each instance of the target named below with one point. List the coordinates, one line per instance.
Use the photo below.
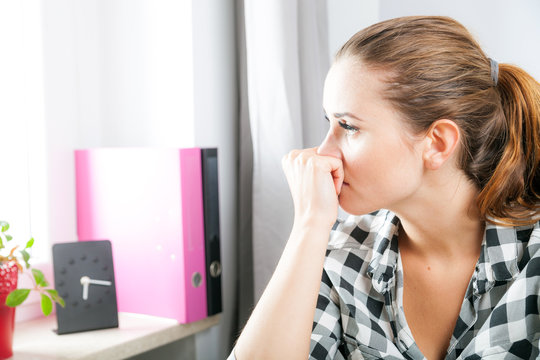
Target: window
(22, 140)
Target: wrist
(315, 222)
(311, 230)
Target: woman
(447, 142)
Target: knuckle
(293, 154)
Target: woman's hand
(288, 303)
(315, 182)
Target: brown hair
(438, 71)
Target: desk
(35, 339)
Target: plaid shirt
(360, 315)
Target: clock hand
(99, 282)
(86, 281)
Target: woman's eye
(350, 129)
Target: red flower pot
(8, 282)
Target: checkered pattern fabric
(360, 315)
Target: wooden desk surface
(36, 340)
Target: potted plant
(12, 258)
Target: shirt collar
(498, 259)
(383, 264)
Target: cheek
(369, 162)
(379, 176)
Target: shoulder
(523, 241)
(511, 285)
(529, 234)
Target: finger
(288, 158)
(331, 163)
(338, 183)
(337, 174)
(335, 167)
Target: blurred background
(245, 76)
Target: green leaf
(40, 278)
(9, 237)
(55, 297)
(1, 243)
(16, 297)
(46, 305)
(29, 243)
(4, 225)
(26, 257)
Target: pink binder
(148, 203)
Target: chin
(354, 206)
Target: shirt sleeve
(327, 332)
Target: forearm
(280, 325)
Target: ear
(442, 139)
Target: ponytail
(512, 194)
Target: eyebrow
(347, 114)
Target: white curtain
(286, 49)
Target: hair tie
(494, 71)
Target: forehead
(352, 86)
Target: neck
(442, 220)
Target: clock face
(84, 277)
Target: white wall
(346, 17)
(110, 81)
(143, 73)
(508, 32)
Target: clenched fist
(315, 182)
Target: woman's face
(382, 163)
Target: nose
(329, 146)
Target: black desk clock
(84, 277)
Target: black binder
(211, 229)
